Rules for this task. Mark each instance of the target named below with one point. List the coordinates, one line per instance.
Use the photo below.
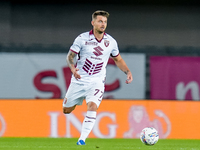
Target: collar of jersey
(91, 34)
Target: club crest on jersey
(106, 43)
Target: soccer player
(92, 50)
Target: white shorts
(91, 92)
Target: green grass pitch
(92, 144)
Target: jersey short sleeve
(115, 51)
(76, 46)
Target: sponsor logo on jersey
(98, 51)
(97, 58)
(91, 43)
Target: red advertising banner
(175, 78)
(115, 119)
(47, 76)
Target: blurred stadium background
(161, 37)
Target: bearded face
(99, 24)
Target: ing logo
(2, 125)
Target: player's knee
(91, 106)
(68, 110)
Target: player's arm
(70, 61)
(122, 65)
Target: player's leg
(68, 110)
(88, 122)
(93, 101)
(73, 97)
(91, 106)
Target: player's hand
(129, 78)
(75, 73)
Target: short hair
(100, 13)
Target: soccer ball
(149, 136)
